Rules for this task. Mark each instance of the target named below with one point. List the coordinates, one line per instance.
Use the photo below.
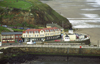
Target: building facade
(11, 37)
(31, 35)
(55, 25)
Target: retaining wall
(15, 51)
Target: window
(45, 30)
(29, 35)
(4, 40)
(45, 34)
(35, 35)
(41, 31)
(42, 35)
(29, 31)
(37, 32)
(8, 36)
(12, 36)
(26, 31)
(34, 31)
(24, 35)
(19, 36)
(16, 36)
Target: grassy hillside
(16, 4)
(29, 13)
(3, 29)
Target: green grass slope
(16, 4)
(3, 29)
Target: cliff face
(38, 14)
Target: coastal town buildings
(31, 35)
(11, 37)
(75, 37)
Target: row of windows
(41, 35)
(37, 39)
(17, 36)
(42, 31)
(10, 36)
(7, 36)
(32, 32)
(47, 34)
(8, 40)
(46, 38)
(51, 38)
(32, 36)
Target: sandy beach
(93, 32)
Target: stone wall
(15, 51)
(52, 50)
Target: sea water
(81, 13)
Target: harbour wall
(16, 51)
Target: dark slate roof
(70, 29)
(54, 25)
(10, 33)
(66, 36)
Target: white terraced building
(31, 35)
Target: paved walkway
(53, 46)
(10, 29)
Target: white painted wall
(66, 39)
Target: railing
(62, 43)
(53, 46)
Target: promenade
(53, 45)
(51, 49)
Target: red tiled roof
(33, 30)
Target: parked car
(0, 24)
(4, 25)
(21, 28)
(27, 28)
(57, 40)
(15, 27)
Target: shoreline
(94, 34)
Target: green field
(14, 4)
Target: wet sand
(93, 32)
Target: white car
(29, 42)
(4, 25)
